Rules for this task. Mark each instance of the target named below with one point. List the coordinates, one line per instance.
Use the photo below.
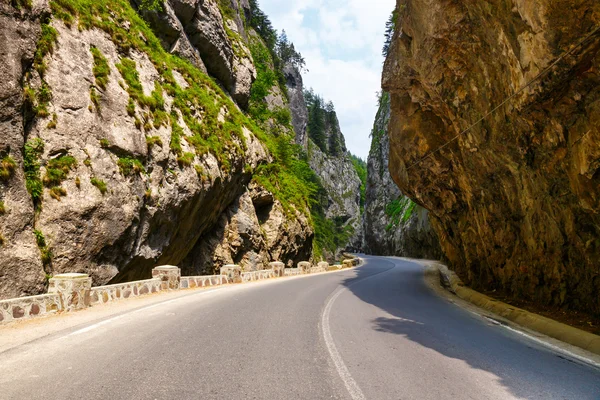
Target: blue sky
(341, 42)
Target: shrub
(7, 168)
(104, 143)
(100, 184)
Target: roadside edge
(582, 345)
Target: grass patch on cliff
(44, 46)
(289, 177)
(37, 101)
(18, 4)
(45, 252)
(128, 166)
(58, 169)
(101, 69)
(2, 208)
(360, 166)
(399, 210)
(33, 150)
(100, 184)
(199, 104)
(7, 168)
(330, 234)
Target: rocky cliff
(123, 145)
(338, 210)
(393, 224)
(515, 198)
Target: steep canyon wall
(515, 199)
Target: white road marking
(341, 368)
(556, 349)
(108, 321)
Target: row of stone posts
(74, 289)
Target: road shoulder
(572, 342)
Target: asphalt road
(375, 332)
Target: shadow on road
(417, 313)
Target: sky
(341, 41)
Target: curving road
(375, 332)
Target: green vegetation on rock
(360, 166)
(128, 166)
(100, 184)
(101, 69)
(57, 170)
(399, 210)
(7, 168)
(45, 252)
(31, 165)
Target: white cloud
(341, 42)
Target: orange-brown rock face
(515, 200)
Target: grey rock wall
(385, 234)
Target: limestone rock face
(251, 233)
(20, 266)
(340, 181)
(386, 233)
(196, 30)
(297, 104)
(515, 200)
(130, 200)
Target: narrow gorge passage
(396, 338)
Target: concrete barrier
(304, 266)
(29, 307)
(70, 292)
(278, 267)
(232, 272)
(120, 291)
(73, 289)
(169, 275)
(292, 271)
(191, 282)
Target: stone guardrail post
(278, 267)
(73, 289)
(324, 265)
(233, 273)
(170, 276)
(304, 266)
(348, 263)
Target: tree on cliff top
(390, 28)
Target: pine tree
(390, 28)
